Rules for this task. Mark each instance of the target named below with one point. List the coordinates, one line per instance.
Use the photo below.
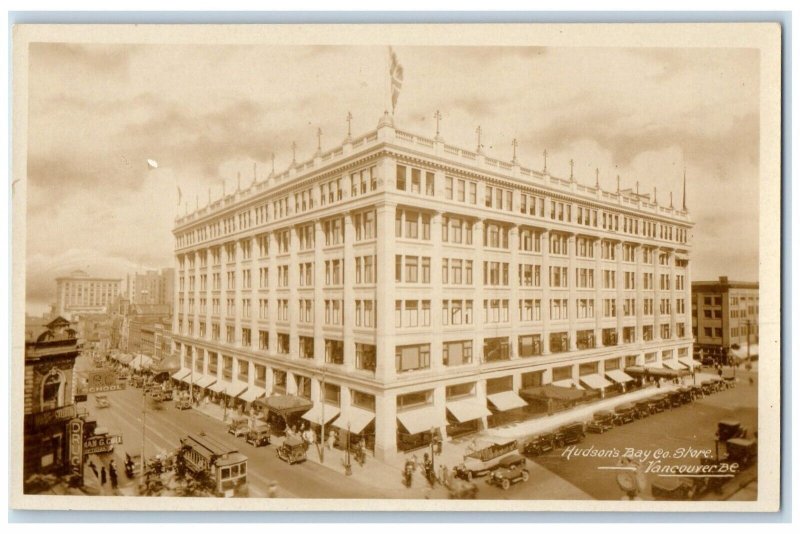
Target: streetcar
(223, 466)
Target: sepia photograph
(377, 267)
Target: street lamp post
(322, 419)
(144, 427)
(433, 452)
(348, 469)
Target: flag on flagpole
(396, 77)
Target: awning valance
(552, 391)
(252, 393)
(672, 364)
(180, 374)
(618, 376)
(689, 362)
(422, 419)
(595, 381)
(467, 409)
(316, 414)
(507, 400)
(356, 418)
(205, 381)
(655, 372)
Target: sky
(207, 113)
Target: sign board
(105, 443)
(75, 433)
(99, 381)
(62, 413)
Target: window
(530, 345)
(609, 337)
(558, 244)
(559, 309)
(496, 349)
(263, 340)
(529, 240)
(559, 342)
(412, 357)
(365, 358)
(585, 339)
(283, 343)
(495, 236)
(530, 310)
(306, 347)
(334, 351)
(584, 308)
(647, 332)
(457, 353)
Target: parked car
(510, 470)
(540, 444)
(674, 489)
(183, 403)
(625, 413)
(675, 399)
(602, 421)
(259, 436)
(729, 429)
(292, 450)
(239, 426)
(686, 395)
(642, 409)
(482, 461)
(741, 451)
(570, 433)
(658, 403)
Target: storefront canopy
(689, 362)
(672, 364)
(618, 376)
(507, 400)
(467, 409)
(170, 364)
(655, 372)
(356, 420)
(284, 405)
(252, 394)
(741, 352)
(552, 391)
(595, 381)
(217, 387)
(180, 374)
(321, 411)
(235, 389)
(126, 358)
(422, 419)
(204, 381)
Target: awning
(356, 418)
(316, 413)
(672, 364)
(507, 400)
(189, 379)
(691, 363)
(170, 364)
(551, 391)
(618, 376)
(422, 419)
(180, 374)
(252, 394)
(284, 405)
(217, 387)
(595, 381)
(467, 409)
(567, 383)
(126, 358)
(235, 389)
(655, 372)
(741, 352)
(205, 381)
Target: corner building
(406, 287)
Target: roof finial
(637, 187)
(272, 157)
(478, 131)
(670, 199)
(349, 120)
(238, 180)
(514, 144)
(571, 170)
(319, 140)
(294, 153)
(655, 195)
(438, 117)
(544, 170)
(597, 177)
(618, 184)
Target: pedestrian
(93, 467)
(331, 439)
(443, 474)
(103, 475)
(112, 474)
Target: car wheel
(505, 484)
(525, 476)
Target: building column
(237, 299)
(385, 296)
(385, 425)
(572, 303)
(620, 297)
(513, 281)
(478, 279)
(348, 299)
(272, 284)
(672, 303)
(657, 296)
(294, 305)
(545, 280)
(440, 405)
(599, 309)
(436, 293)
(480, 395)
(639, 311)
(319, 295)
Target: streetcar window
(226, 473)
(243, 468)
(235, 471)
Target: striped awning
(618, 376)
(205, 381)
(356, 420)
(180, 374)
(567, 383)
(506, 400)
(595, 381)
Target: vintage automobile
(539, 444)
(510, 470)
(625, 413)
(658, 403)
(642, 408)
(292, 450)
(675, 399)
(157, 394)
(570, 433)
(676, 489)
(729, 429)
(601, 421)
(137, 381)
(686, 394)
(259, 435)
(239, 426)
(697, 392)
(183, 403)
(709, 387)
(480, 462)
(102, 401)
(741, 451)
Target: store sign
(62, 413)
(99, 381)
(75, 433)
(98, 444)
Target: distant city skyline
(208, 113)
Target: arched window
(52, 391)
